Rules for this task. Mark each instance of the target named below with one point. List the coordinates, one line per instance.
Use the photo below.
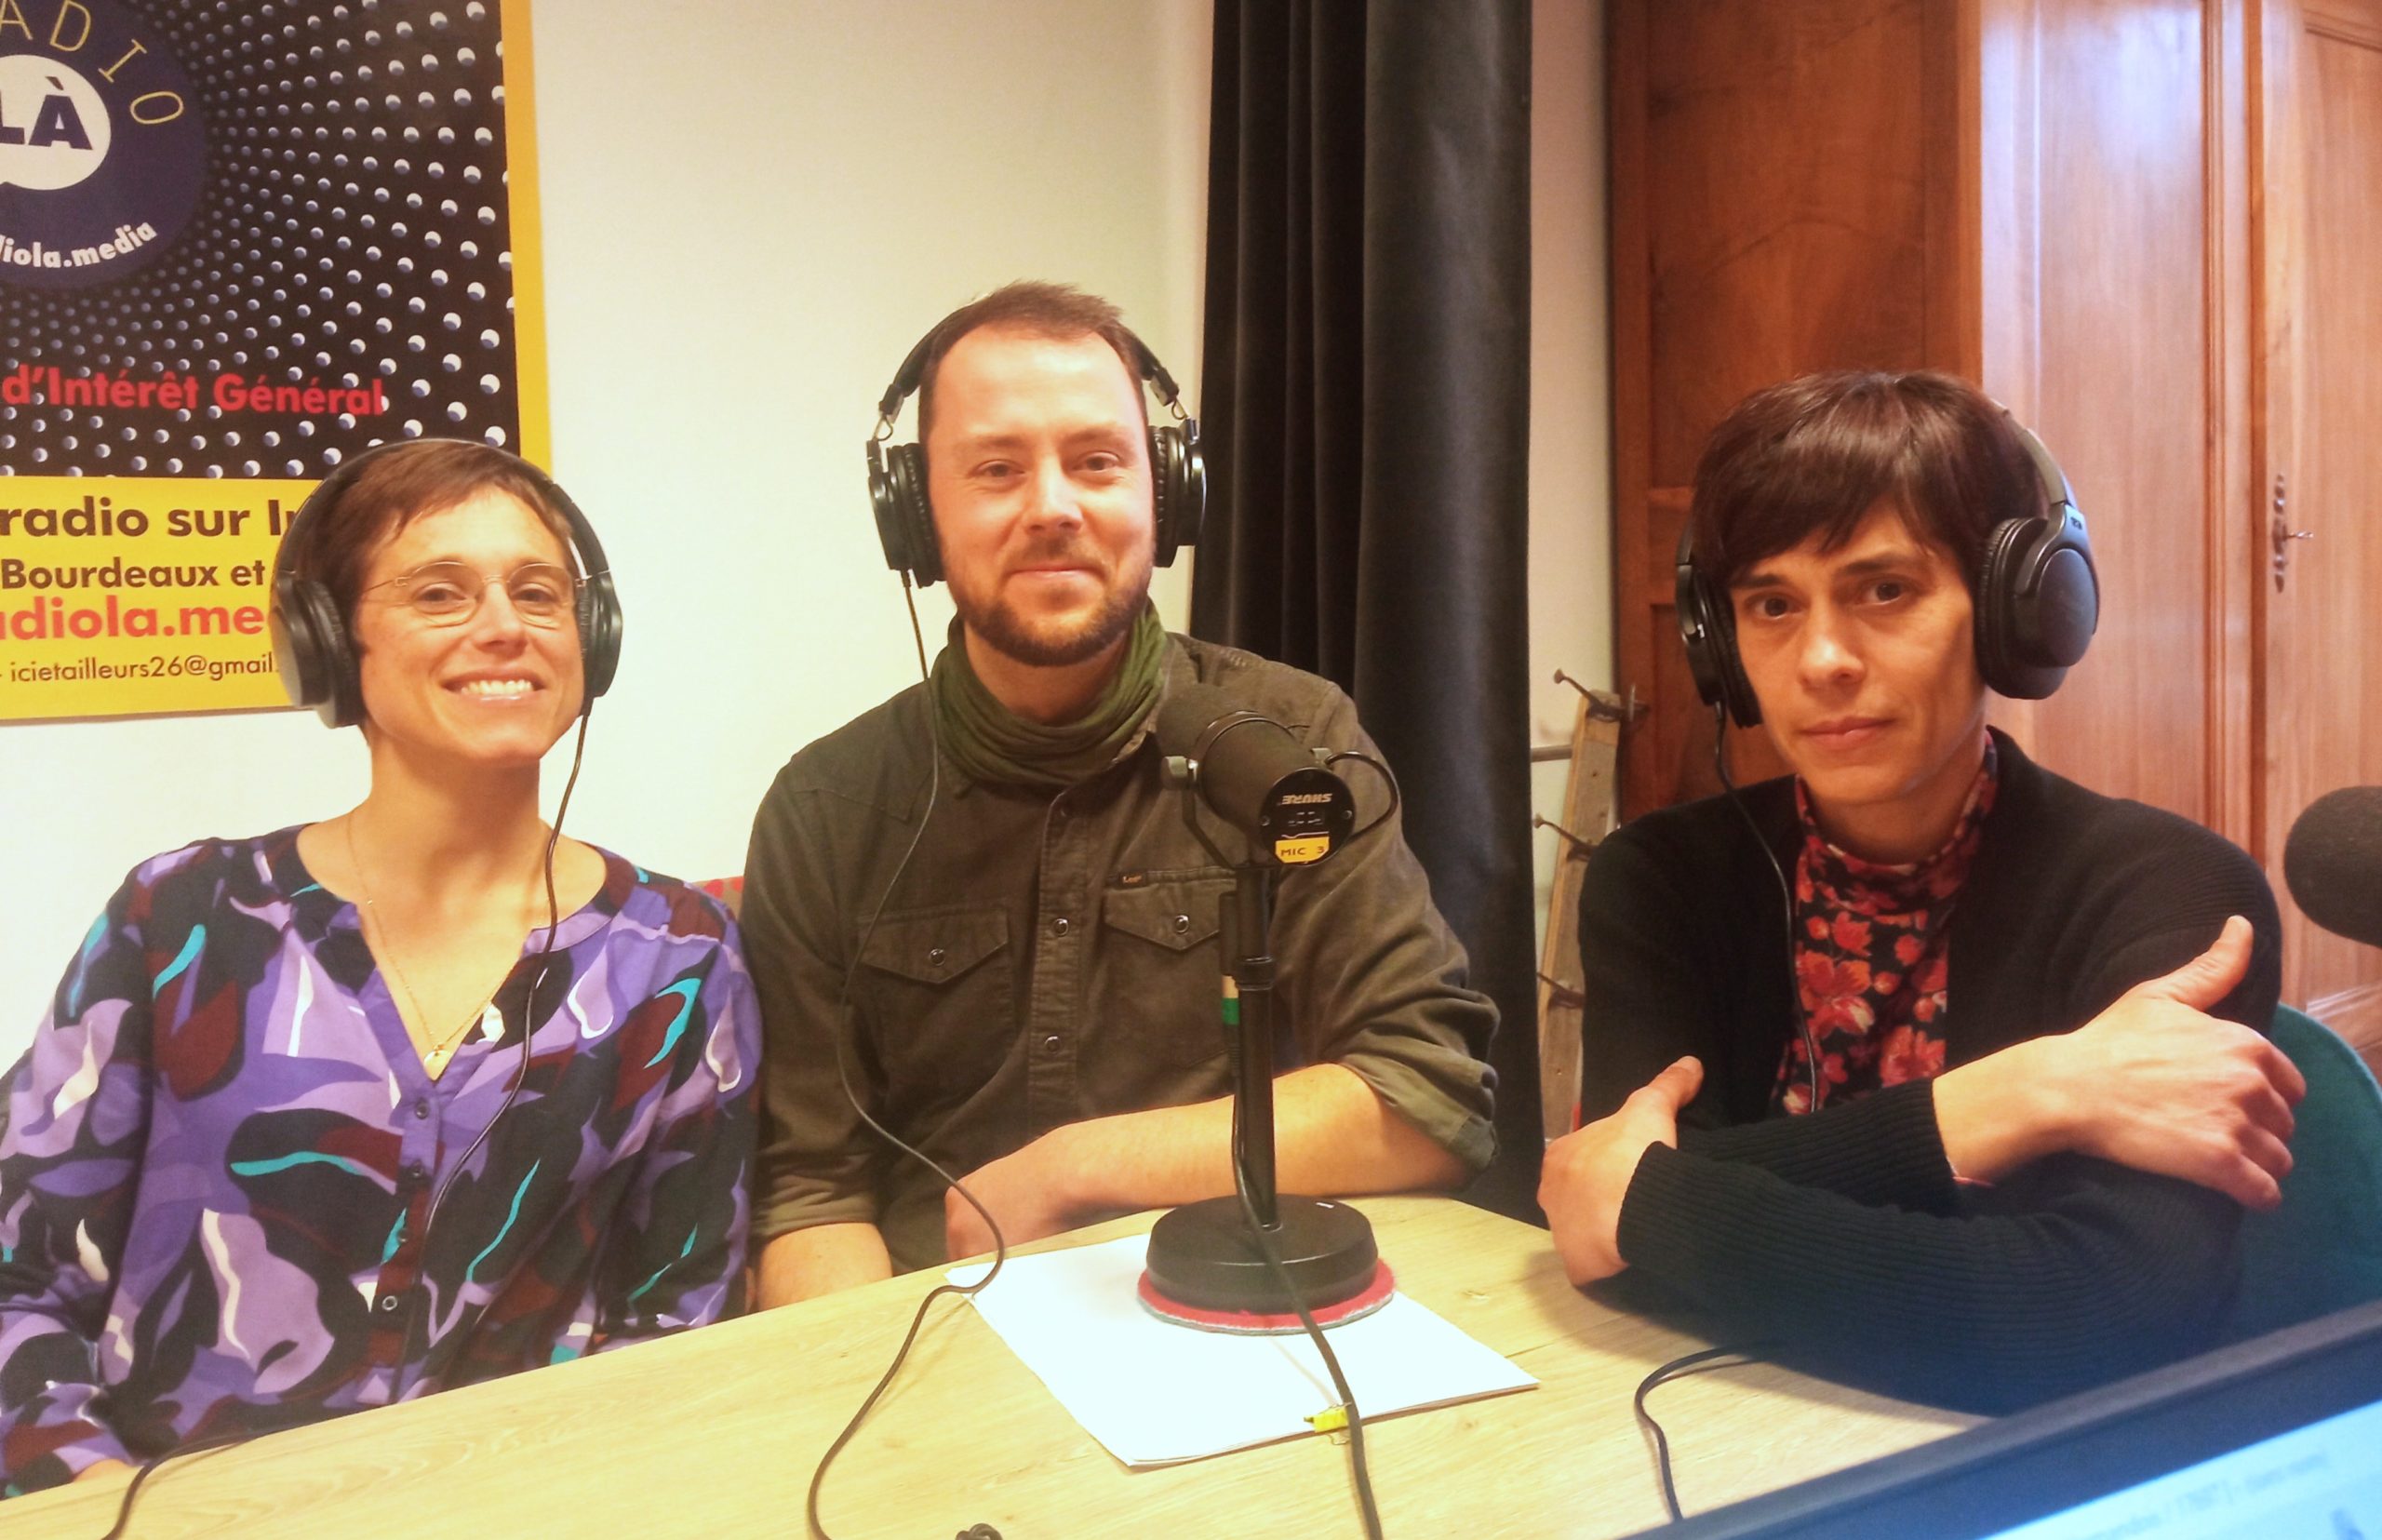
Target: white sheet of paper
(1155, 1393)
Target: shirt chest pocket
(936, 991)
(1162, 970)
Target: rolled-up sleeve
(815, 1164)
(1375, 980)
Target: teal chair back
(2320, 1251)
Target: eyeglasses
(449, 593)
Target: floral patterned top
(231, 1200)
(1872, 953)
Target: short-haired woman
(418, 1095)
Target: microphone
(1260, 1260)
(2332, 863)
(1252, 774)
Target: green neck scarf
(992, 744)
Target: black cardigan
(1842, 1238)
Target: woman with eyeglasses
(417, 1095)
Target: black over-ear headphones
(311, 645)
(2037, 603)
(897, 477)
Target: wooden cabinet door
(2322, 457)
(1787, 196)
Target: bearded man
(1034, 1001)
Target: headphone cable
(843, 1073)
(529, 1026)
(1678, 1367)
(1786, 895)
(1358, 1471)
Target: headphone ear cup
(1709, 634)
(1996, 581)
(1162, 474)
(312, 648)
(1183, 490)
(886, 507)
(1166, 491)
(906, 479)
(2037, 603)
(296, 653)
(600, 630)
(2062, 607)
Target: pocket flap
(1177, 916)
(936, 945)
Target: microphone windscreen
(1184, 715)
(2332, 863)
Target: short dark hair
(1043, 309)
(406, 483)
(1813, 455)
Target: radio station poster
(238, 244)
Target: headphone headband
(897, 473)
(1144, 364)
(2057, 493)
(312, 649)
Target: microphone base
(1203, 1256)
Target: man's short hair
(1813, 455)
(1042, 309)
(410, 482)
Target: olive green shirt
(1047, 958)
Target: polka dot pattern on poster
(352, 240)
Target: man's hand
(100, 1470)
(2153, 1082)
(1587, 1172)
(1332, 1135)
(1028, 1192)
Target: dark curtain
(1365, 406)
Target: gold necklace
(435, 1060)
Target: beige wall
(1571, 466)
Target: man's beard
(1054, 644)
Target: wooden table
(716, 1432)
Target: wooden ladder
(1591, 801)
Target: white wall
(1571, 475)
(750, 209)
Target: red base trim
(1251, 1323)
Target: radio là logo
(102, 151)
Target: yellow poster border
(529, 383)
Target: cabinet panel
(2124, 392)
(1786, 202)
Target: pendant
(436, 1060)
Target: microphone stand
(1248, 1028)
(1202, 1254)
